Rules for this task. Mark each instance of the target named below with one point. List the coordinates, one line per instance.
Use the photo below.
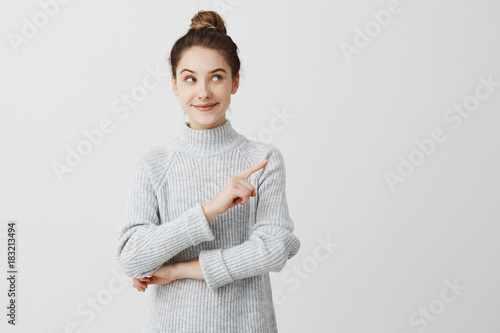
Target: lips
(205, 107)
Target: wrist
(187, 270)
(177, 272)
(210, 211)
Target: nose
(204, 92)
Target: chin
(207, 116)
(207, 119)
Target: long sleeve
(144, 244)
(271, 242)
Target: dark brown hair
(207, 30)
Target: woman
(207, 218)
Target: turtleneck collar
(209, 142)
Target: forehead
(200, 59)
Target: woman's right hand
(139, 284)
(236, 191)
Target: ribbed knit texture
(165, 222)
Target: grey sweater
(165, 222)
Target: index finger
(251, 169)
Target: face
(204, 78)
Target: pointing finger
(248, 171)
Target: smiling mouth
(205, 107)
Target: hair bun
(208, 19)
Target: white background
(355, 118)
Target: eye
(190, 77)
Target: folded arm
(144, 244)
(271, 242)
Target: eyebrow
(215, 70)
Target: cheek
(186, 94)
(224, 90)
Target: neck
(209, 141)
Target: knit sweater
(165, 222)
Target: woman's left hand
(164, 275)
(173, 271)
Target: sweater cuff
(197, 227)
(213, 268)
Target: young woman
(207, 218)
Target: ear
(236, 84)
(174, 86)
